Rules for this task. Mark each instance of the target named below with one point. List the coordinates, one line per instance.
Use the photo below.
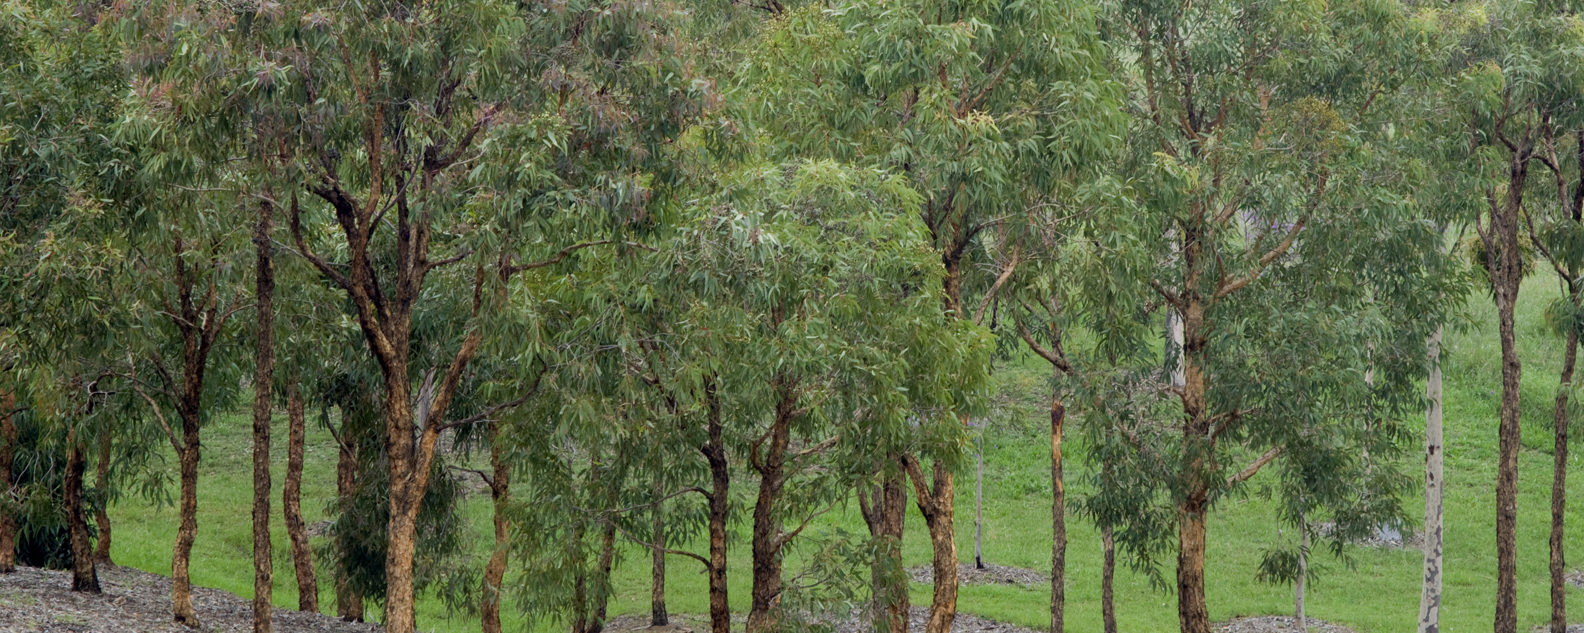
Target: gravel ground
(1277, 624)
(965, 623)
(967, 574)
(134, 601)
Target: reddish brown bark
(8, 440)
(85, 577)
(263, 394)
(291, 505)
(935, 501)
(720, 495)
(495, 569)
(1559, 486)
(101, 514)
(1192, 614)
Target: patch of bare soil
(967, 574)
(918, 616)
(679, 624)
(1277, 624)
(33, 599)
(1384, 537)
(1576, 579)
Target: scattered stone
(33, 599)
(1384, 537)
(967, 574)
(1276, 624)
(918, 616)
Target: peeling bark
(8, 440)
(263, 396)
(291, 506)
(935, 501)
(101, 514)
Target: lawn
(1378, 593)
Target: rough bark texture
(85, 577)
(767, 532)
(181, 589)
(657, 571)
(1107, 576)
(720, 495)
(8, 440)
(495, 569)
(602, 578)
(1058, 606)
(349, 603)
(101, 514)
(935, 501)
(291, 506)
(263, 395)
(1501, 240)
(1559, 488)
(1198, 455)
(1192, 615)
(1430, 596)
(883, 511)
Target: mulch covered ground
(1277, 624)
(33, 599)
(967, 574)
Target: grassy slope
(1380, 593)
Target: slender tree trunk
(263, 397)
(580, 610)
(8, 440)
(1559, 485)
(1058, 606)
(935, 502)
(1303, 574)
(84, 577)
(657, 586)
(291, 505)
(1507, 474)
(767, 537)
(1430, 598)
(602, 578)
(102, 513)
(181, 589)
(979, 505)
(495, 570)
(1107, 575)
(349, 603)
(883, 509)
(1192, 615)
(720, 495)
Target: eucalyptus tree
(418, 133)
(1252, 158)
(1512, 69)
(972, 104)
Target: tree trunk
(181, 583)
(1192, 615)
(767, 537)
(84, 577)
(580, 610)
(8, 440)
(102, 514)
(720, 494)
(1107, 574)
(1430, 598)
(936, 505)
(602, 577)
(1058, 605)
(291, 506)
(495, 570)
(883, 513)
(1303, 574)
(402, 527)
(263, 395)
(1505, 280)
(1559, 485)
(657, 599)
(979, 505)
(349, 603)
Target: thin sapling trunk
(291, 506)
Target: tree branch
(1254, 467)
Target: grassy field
(1379, 594)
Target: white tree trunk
(1174, 327)
(1430, 599)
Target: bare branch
(1254, 467)
(1006, 273)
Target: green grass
(1380, 593)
